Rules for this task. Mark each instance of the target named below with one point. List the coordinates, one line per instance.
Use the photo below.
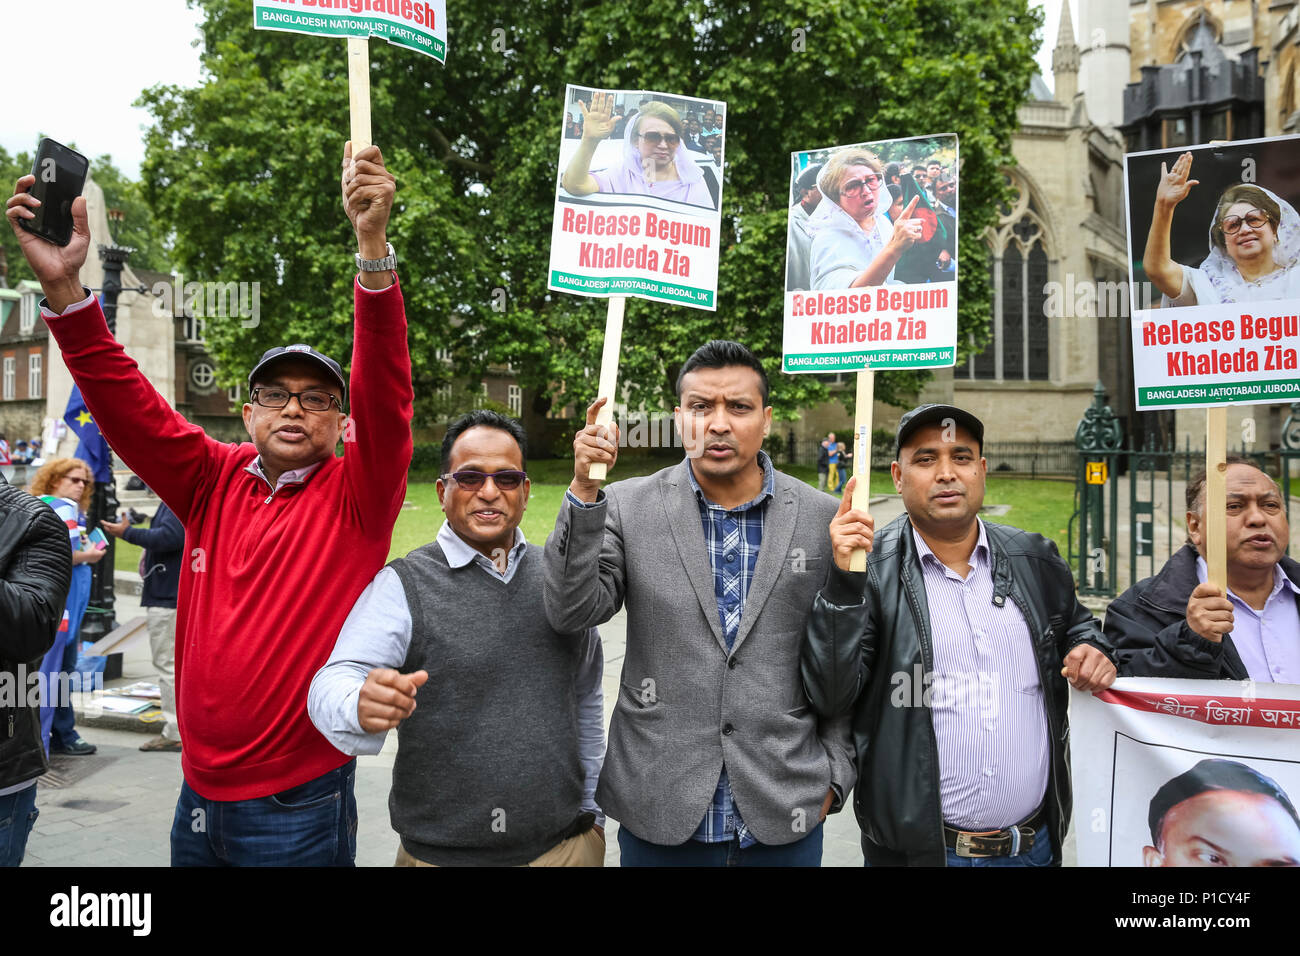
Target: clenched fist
(387, 698)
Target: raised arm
(377, 440)
(1173, 187)
(583, 557)
(169, 454)
(839, 645)
(597, 124)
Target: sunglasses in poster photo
(654, 138)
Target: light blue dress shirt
(377, 633)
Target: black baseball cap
(931, 414)
(299, 351)
(1214, 774)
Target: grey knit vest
(487, 770)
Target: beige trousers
(586, 849)
(162, 644)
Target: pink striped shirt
(986, 699)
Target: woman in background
(66, 485)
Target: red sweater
(267, 580)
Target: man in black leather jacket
(949, 651)
(1176, 625)
(35, 571)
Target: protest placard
(1213, 245)
(415, 24)
(1214, 241)
(1186, 773)
(638, 202)
(871, 268)
(638, 196)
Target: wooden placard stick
(609, 371)
(862, 455)
(1215, 511)
(359, 92)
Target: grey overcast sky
(109, 53)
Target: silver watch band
(378, 265)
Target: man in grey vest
(497, 766)
(715, 755)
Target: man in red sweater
(281, 538)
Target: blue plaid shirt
(733, 537)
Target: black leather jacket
(1148, 626)
(35, 571)
(854, 647)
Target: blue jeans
(63, 730)
(1040, 855)
(18, 815)
(314, 824)
(634, 851)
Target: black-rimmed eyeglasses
(312, 400)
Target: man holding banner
(947, 651)
(715, 757)
(1176, 625)
(263, 521)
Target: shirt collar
(459, 553)
(295, 476)
(980, 554)
(769, 484)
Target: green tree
(245, 168)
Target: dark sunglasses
(473, 480)
(654, 138)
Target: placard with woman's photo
(637, 196)
(871, 256)
(1214, 244)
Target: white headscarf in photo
(630, 177)
(1222, 271)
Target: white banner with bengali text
(1173, 773)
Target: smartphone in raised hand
(60, 176)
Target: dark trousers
(314, 824)
(634, 851)
(18, 815)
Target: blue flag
(92, 448)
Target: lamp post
(100, 617)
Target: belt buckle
(963, 847)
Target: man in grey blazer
(715, 756)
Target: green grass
(1041, 506)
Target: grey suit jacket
(686, 706)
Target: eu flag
(92, 448)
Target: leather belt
(1009, 842)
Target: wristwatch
(378, 265)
